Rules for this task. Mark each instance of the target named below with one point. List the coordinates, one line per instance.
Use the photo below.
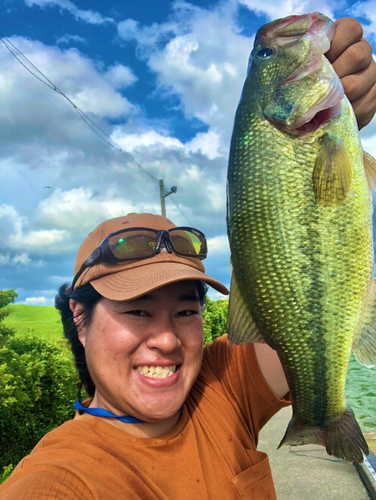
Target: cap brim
(132, 283)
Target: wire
(23, 60)
(181, 211)
(17, 54)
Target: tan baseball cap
(130, 279)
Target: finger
(365, 107)
(358, 84)
(348, 32)
(354, 59)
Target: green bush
(215, 319)
(38, 384)
(7, 471)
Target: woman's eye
(137, 312)
(187, 312)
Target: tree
(215, 319)
(6, 297)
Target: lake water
(361, 394)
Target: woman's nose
(163, 337)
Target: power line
(23, 60)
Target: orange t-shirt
(210, 454)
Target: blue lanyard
(100, 412)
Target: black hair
(89, 297)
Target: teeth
(157, 371)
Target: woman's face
(130, 343)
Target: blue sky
(163, 79)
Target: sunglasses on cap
(142, 243)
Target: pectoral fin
(364, 346)
(332, 172)
(241, 327)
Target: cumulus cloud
(69, 39)
(88, 16)
(275, 8)
(21, 259)
(39, 301)
(198, 56)
(366, 10)
(219, 245)
(90, 87)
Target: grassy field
(41, 321)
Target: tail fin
(342, 437)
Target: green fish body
(300, 229)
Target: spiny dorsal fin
(332, 172)
(370, 168)
(241, 327)
(364, 346)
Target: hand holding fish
(351, 57)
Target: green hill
(41, 321)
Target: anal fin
(364, 346)
(241, 327)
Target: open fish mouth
(320, 118)
(325, 110)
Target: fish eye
(264, 53)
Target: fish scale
(302, 265)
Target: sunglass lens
(188, 242)
(133, 244)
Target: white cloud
(120, 76)
(40, 240)
(39, 301)
(276, 9)
(207, 143)
(219, 245)
(48, 115)
(129, 142)
(22, 258)
(4, 259)
(88, 16)
(366, 10)
(77, 210)
(198, 56)
(70, 38)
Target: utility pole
(161, 190)
(163, 195)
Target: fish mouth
(325, 110)
(320, 118)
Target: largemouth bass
(300, 228)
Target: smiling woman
(159, 402)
